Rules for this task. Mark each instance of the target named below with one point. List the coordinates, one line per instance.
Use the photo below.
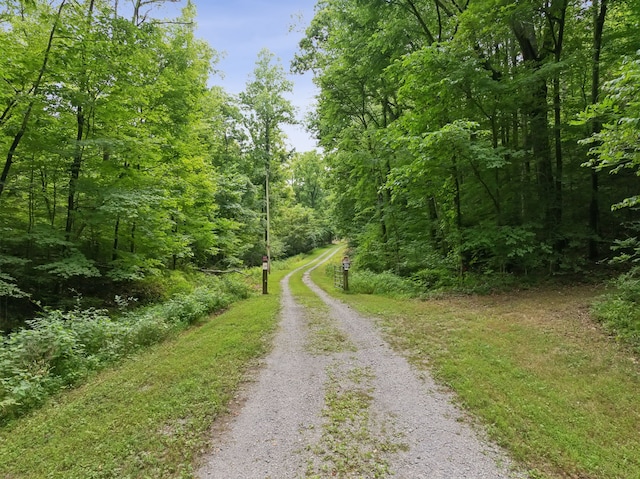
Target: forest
(464, 146)
(120, 163)
(456, 138)
(485, 136)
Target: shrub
(434, 278)
(61, 348)
(619, 311)
(388, 284)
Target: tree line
(457, 136)
(119, 161)
(488, 135)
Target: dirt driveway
(333, 400)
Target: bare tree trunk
(116, 238)
(599, 16)
(132, 237)
(75, 172)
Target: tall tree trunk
(432, 214)
(542, 152)
(83, 117)
(456, 195)
(32, 207)
(537, 112)
(132, 238)
(75, 172)
(599, 16)
(47, 202)
(557, 19)
(116, 237)
(557, 133)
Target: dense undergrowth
(619, 309)
(61, 348)
(150, 415)
(427, 283)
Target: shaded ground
(348, 407)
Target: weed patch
(352, 444)
(60, 349)
(619, 310)
(324, 337)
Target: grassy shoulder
(546, 381)
(151, 415)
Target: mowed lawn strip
(151, 416)
(538, 372)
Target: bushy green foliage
(386, 283)
(619, 311)
(615, 146)
(435, 278)
(301, 229)
(61, 348)
(500, 248)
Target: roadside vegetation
(533, 366)
(619, 309)
(149, 415)
(62, 348)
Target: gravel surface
(359, 410)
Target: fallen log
(223, 271)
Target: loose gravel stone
(412, 429)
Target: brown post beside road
(265, 275)
(346, 264)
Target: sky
(239, 29)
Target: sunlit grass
(150, 416)
(545, 380)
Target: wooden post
(265, 275)
(268, 233)
(346, 264)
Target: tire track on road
(361, 411)
(437, 441)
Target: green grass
(324, 336)
(150, 416)
(351, 445)
(533, 367)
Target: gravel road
(348, 407)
